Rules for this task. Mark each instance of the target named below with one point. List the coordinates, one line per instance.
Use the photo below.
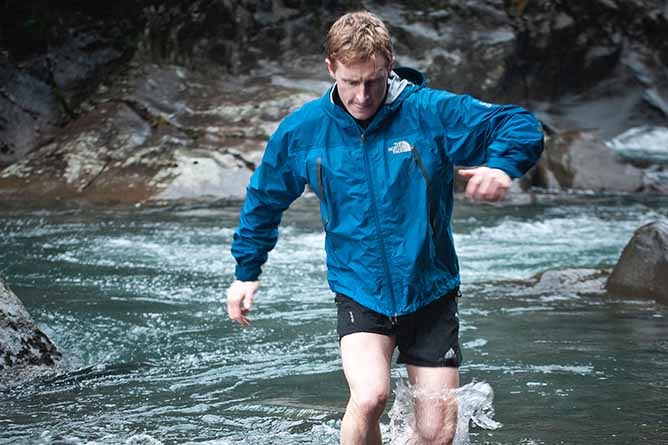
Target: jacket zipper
(432, 203)
(321, 188)
(374, 208)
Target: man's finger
(467, 173)
(472, 187)
(233, 310)
(486, 188)
(247, 303)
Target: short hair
(358, 36)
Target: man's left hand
(486, 184)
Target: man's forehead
(361, 75)
(363, 69)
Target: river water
(135, 299)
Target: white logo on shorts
(450, 354)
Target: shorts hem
(368, 331)
(403, 360)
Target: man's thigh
(366, 359)
(433, 380)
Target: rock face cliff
(25, 351)
(170, 100)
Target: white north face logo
(400, 147)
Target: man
(378, 149)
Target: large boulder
(49, 63)
(579, 160)
(642, 269)
(25, 351)
(157, 133)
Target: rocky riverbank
(169, 101)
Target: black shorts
(427, 337)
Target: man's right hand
(240, 300)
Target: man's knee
(370, 402)
(437, 424)
(435, 431)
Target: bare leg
(366, 361)
(435, 412)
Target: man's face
(361, 85)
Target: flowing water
(135, 299)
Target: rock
(645, 144)
(656, 181)
(578, 281)
(642, 269)
(158, 133)
(580, 160)
(202, 173)
(57, 61)
(87, 161)
(25, 351)
(219, 76)
(461, 47)
(29, 114)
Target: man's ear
(390, 65)
(331, 67)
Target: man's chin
(362, 115)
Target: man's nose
(362, 92)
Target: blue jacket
(386, 191)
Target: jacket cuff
(247, 273)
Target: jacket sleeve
(506, 137)
(271, 190)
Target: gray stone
(578, 281)
(25, 351)
(29, 114)
(202, 173)
(656, 181)
(647, 144)
(642, 269)
(160, 133)
(580, 160)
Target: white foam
(474, 406)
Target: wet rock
(218, 76)
(200, 173)
(580, 160)
(460, 47)
(642, 269)
(89, 156)
(159, 133)
(29, 114)
(578, 281)
(53, 63)
(656, 180)
(646, 144)
(25, 351)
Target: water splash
(474, 402)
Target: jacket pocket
(321, 191)
(431, 200)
